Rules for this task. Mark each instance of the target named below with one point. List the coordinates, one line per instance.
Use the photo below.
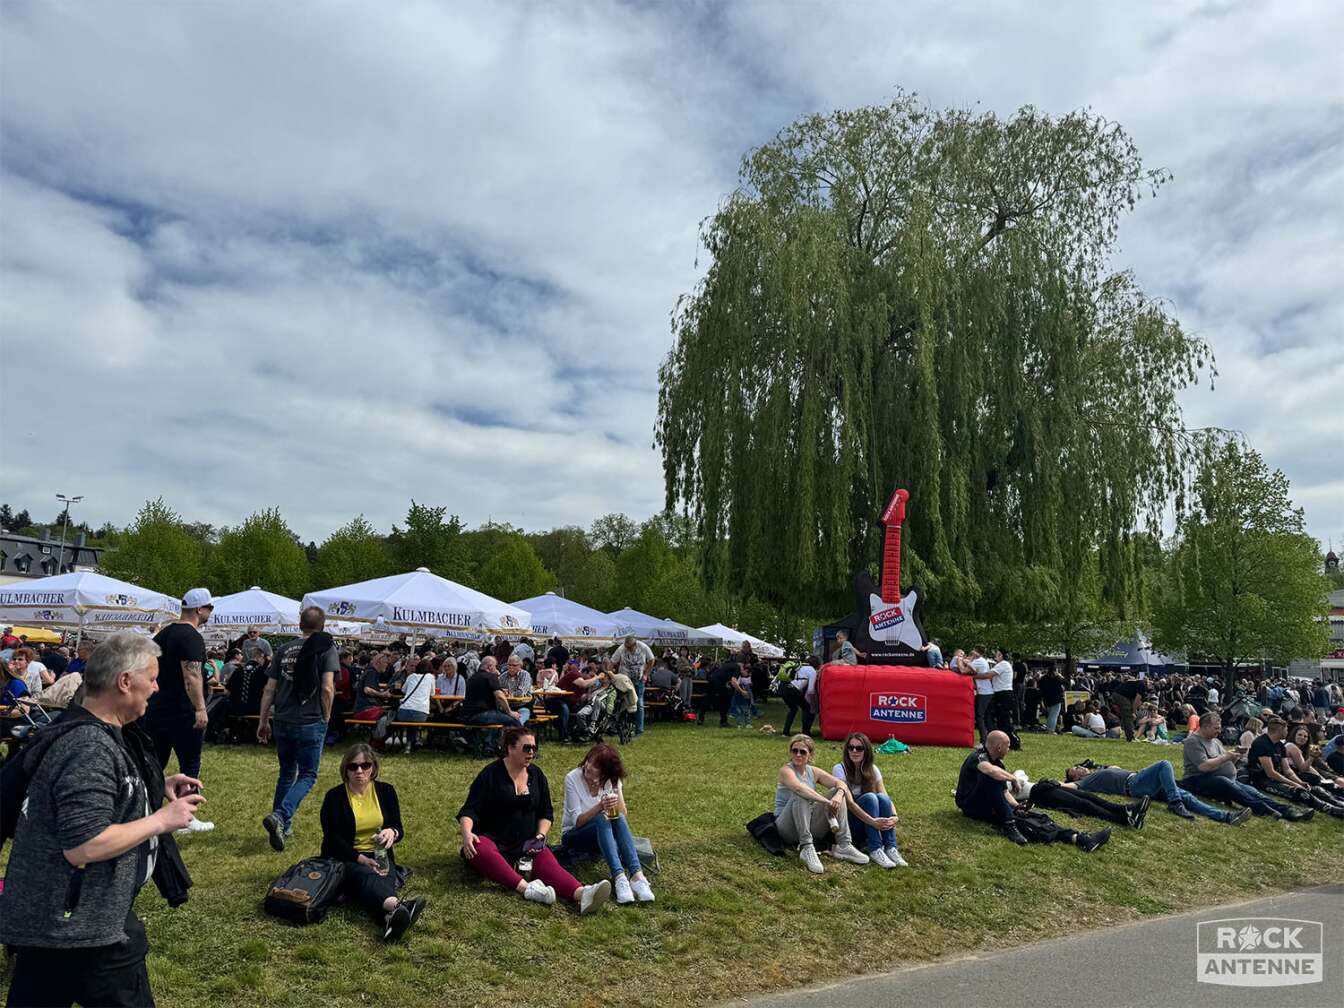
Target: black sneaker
(1136, 813)
(416, 907)
(1299, 815)
(1237, 816)
(1012, 833)
(1177, 808)
(1091, 841)
(397, 923)
(276, 829)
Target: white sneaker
(593, 896)
(894, 856)
(879, 857)
(850, 853)
(808, 856)
(196, 826)
(643, 891)
(623, 892)
(539, 892)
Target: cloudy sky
(332, 256)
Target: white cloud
(330, 257)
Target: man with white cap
(176, 717)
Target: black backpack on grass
(305, 892)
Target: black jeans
(1001, 716)
(173, 732)
(982, 714)
(988, 802)
(1049, 794)
(718, 698)
(366, 887)
(796, 702)
(111, 975)
(1125, 706)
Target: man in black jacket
(91, 834)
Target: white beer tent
(87, 602)
(658, 631)
(268, 612)
(422, 603)
(556, 616)
(735, 639)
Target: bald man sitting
(984, 793)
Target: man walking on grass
(301, 684)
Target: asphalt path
(1148, 964)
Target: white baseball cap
(196, 598)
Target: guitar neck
(891, 563)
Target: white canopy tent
(652, 630)
(556, 616)
(88, 602)
(268, 612)
(736, 638)
(422, 603)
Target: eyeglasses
(854, 748)
(360, 766)
(531, 750)
(800, 752)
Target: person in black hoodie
(361, 823)
(301, 681)
(94, 828)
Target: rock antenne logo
(1259, 952)
(898, 708)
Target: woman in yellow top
(361, 822)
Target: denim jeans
(876, 805)
(639, 693)
(609, 837)
(412, 734)
(1052, 717)
(1159, 781)
(299, 748)
(1229, 790)
(493, 717)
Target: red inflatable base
(918, 706)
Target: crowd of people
(101, 813)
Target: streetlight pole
(65, 524)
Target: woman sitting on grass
(802, 812)
(1311, 769)
(504, 823)
(595, 822)
(871, 813)
(361, 822)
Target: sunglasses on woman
(800, 752)
(361, 766)
(530, 750)
(854, 748)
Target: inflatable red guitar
(890, 620)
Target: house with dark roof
(29, 557)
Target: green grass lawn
(730, 920)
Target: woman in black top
(361, 821)
(504, 823)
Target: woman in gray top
(802, 812)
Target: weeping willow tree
(898, 296)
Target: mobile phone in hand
(187, 789)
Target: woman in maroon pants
(504, 823)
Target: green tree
(1245, 582)
(595, 585)
(354, 552)
(898, 296)
(640, 565)
(432, 538)
(563, 552)
(262, 551)
(157, 551)
(613, 533)
(513, 571)
(677, 593)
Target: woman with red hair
(595, 822)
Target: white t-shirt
(838, 771)
(32, 677)
(419, 686)
(1096, 723)
(578, 800)
(1212, 698)
(632, 661)
(1003, 678)
(985, 686)
(805, 681)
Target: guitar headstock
(895, 510)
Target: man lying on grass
(1157, 780)
(983, 793)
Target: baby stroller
(599, 717)
(1235, 714)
